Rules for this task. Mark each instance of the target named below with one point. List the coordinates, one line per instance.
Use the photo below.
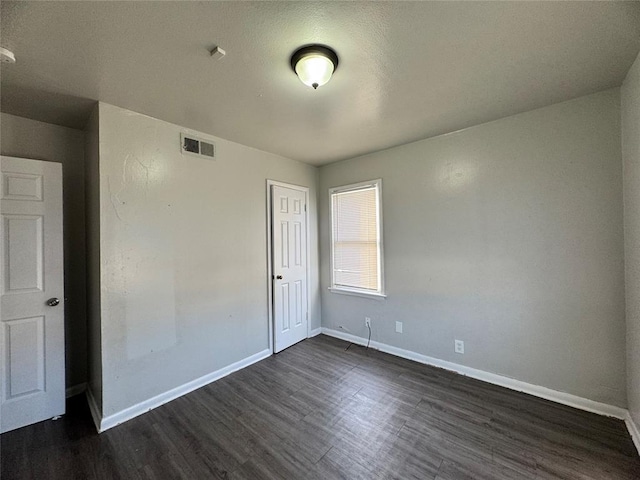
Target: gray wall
(183, 255)
(507, 235)
(92, 204)
(21, 137)
(631, 160)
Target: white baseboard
(513, 384)
(76, 390)
(315, 332)
(112, 420)
(93, 408)
(634, 431)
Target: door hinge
(305, 207)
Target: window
(356, 239)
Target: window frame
(380, 293)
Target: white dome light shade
(7, 56)
(314, 70)
(314, 64)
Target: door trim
(299, 188)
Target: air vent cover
(196, 146)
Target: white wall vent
(196, 146)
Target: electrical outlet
(458, 346)
(398, 327)
(367, 322)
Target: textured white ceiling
(408, 70)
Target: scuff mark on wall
(115, 201)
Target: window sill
(357, 293)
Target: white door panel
(31, 331)
(289, 246)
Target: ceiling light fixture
(7, 56)
(314, 64)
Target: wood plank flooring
(321, 411)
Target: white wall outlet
(398, 327)
(367, 322)
(458, 346)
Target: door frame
(299, 188)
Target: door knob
(52, 302)
(279, 277)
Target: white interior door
(32, 386)
(289, 254)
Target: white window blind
(356, 237)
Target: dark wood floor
(319, 411)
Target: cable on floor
(368, 340)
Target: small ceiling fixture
(7, 56)
(217, 53)
(314, 64)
